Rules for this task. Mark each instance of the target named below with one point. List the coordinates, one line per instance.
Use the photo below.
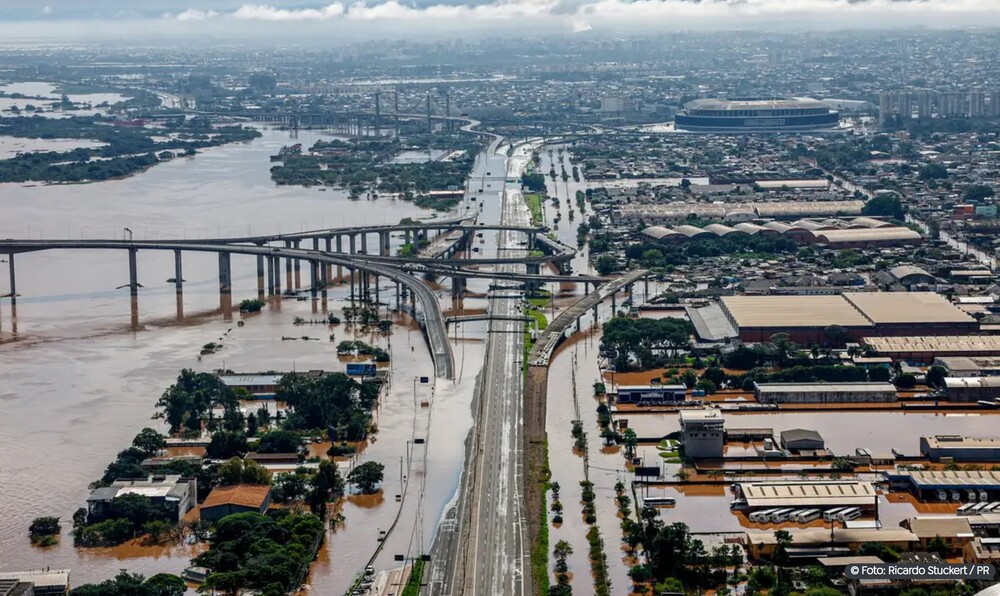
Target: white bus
(966, 509)
(761, 516)
(780, 515)
(807, 515)
(851, 513)
(831, 514)
(659, 501)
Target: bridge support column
(378, 297)
(645, 289)
(260, 277)
(340, 268)
(532, 269)
(289, 265)
(457, 287)
(397, 298)
(271, 275)
(133, 274)
(297, 265)
(225, 285)
(329, 267)
(178, 273)
(313, 278)
(408, 237)
(277, 276)
(614, 304)
(350, 244)
(351, 271)
(383, 244)
(13, 280)
(364, 243)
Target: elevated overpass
(433, 323)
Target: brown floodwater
(80, 379)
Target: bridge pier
(260, 277)
(378, 297)
(225, 284)
(329, 267)
(340, 268)
(397, 298)
(277, 275)
(178, 273)
(271, 275)
(297, 265)
(645, 288)
(313, 279)
(133, 274)
(457, 287)
(364, 243)
(383, 241)
(288, 266)
(13, 281)
(350, 272)
(408, 237)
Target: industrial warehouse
(856, 233)
(671, 213)
(806, 319)
(743, 115)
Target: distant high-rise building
(614, 105)
(951, 104)
(892, 103)
(977, 104)
(994, 107)
(924, 100)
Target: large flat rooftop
(792, 311)
(951, 479)
(939, 345)
(907, 307)
(805, 493)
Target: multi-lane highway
(497, 541)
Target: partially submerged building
(824, 393)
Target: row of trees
(637, 344)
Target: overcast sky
(70, 20)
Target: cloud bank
(420, 18)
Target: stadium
(756, 115)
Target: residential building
(238, 498)
(177, 493)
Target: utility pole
(378, 114)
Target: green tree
(149, 442)
(936, 376)
(226, 444)
(243, 471)
(279, 441)
(884, 206)
(977, 192)
(906, 381)
(879, 374)
(366, 476)
(630, 441)
(606, 265)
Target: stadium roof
(792, 311)
(907, 307)
(858, 387)
(778, 103)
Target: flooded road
(80, 381)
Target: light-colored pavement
(498, 562)
(482, 542)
